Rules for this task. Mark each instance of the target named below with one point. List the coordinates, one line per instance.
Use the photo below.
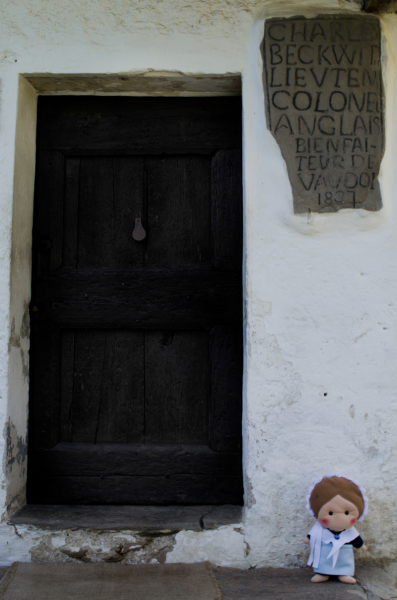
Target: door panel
(177, 385)
(103, 395)
(179, 211)
(136, 347)
(111, 196)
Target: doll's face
(338, 514)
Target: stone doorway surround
(148, 83)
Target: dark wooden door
(136, 346)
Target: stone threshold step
(164, 519)
(294, 584)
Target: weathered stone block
(323, 86)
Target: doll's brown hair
(329, 487)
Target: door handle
(138, 233)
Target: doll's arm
(359, 543)
(306, 540)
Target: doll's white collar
(319, 534)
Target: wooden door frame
(28, 88)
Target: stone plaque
(324, 100)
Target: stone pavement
(294, 584)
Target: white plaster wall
(320, 384)
(321, 342)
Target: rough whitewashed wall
(320, 386)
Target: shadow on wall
(380, 6)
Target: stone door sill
(156, 519)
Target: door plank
(71, 212)
(67, 459)
(96, 213)
(129, 203)
(48, 213)
(139, 125)
(152, 298)
(67, 384)
(135, 474)
(186, 489)
(177, 385)
(88, 376)
(226, 348)
(227, 209)
(45, 383)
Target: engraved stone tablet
(324, 100)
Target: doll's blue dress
(332, 552)
(344, 564)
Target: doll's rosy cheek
(352, 521)
(325, 521)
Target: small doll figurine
(337, 503)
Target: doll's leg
(317, 578)
(346, 579)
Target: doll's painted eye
(346, 512)
(330, 512)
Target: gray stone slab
(391, 570)
(324, 94)
(279, 584)
(222, 515)
(138, 518)
(377, 581)
(3, 571)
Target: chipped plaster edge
(223, 546)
